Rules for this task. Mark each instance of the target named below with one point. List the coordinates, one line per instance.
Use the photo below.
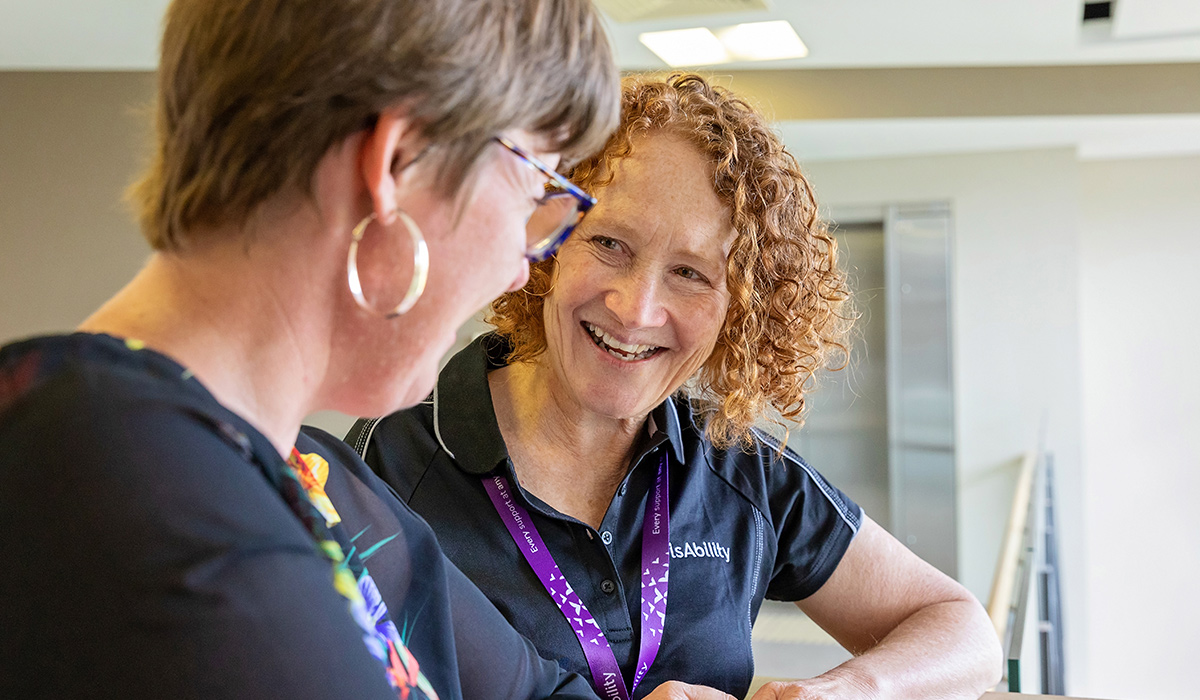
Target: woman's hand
(676, 690)
(835, 684)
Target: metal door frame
(910, 231)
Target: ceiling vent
(1093, 11)
(1097, 24)
(637, 10)
(1140, 20)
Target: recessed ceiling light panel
(699, 46)
(762, 41)
(686, 47)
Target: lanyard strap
(656, 562)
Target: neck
(569, 457)
(236, 317)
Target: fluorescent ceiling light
(686, 47)
(757, 41)
(762, 41)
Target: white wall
(1075, 308)
(1140, 293)
(1015, 336)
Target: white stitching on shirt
(364, 437)
(758, 547)
(819, 480)
(437, 430)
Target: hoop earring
(420, 266)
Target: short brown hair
(789, 308)
(252, 93)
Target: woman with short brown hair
(335, 187)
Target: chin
(415, 393)
(384, 397)
(603, 403)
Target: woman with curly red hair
(604, 435)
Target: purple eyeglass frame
(583, 203)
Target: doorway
(882, 429)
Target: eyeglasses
(558, 211)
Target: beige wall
(975, 91)
(69, 144)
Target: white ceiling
(123, 35)
(891, 33)
(79, 34)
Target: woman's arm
(915, 632)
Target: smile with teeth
(619, 350)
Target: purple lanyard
(656, 561)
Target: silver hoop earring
(420, 266)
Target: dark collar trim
(666, 419)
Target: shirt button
(606, 537)
(624, 486)
(608, 586)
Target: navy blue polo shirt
(746, 524)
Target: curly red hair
(789, 307)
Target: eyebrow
(623, 229)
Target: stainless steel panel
(920, 391)
(882, 430)
(845, 436)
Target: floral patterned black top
(157, 545)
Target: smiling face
(639, 295)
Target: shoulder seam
(424, 473)
(819, 480)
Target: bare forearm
(946, 650)
(915, 632)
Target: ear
(394, 141)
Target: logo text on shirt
(711, 550)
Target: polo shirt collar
(465, 422)
(666, 420)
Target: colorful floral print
(313, 477)
(310, 472)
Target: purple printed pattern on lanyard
(656, 565)
(656, 562)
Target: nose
(636, 301)
(521, 278)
